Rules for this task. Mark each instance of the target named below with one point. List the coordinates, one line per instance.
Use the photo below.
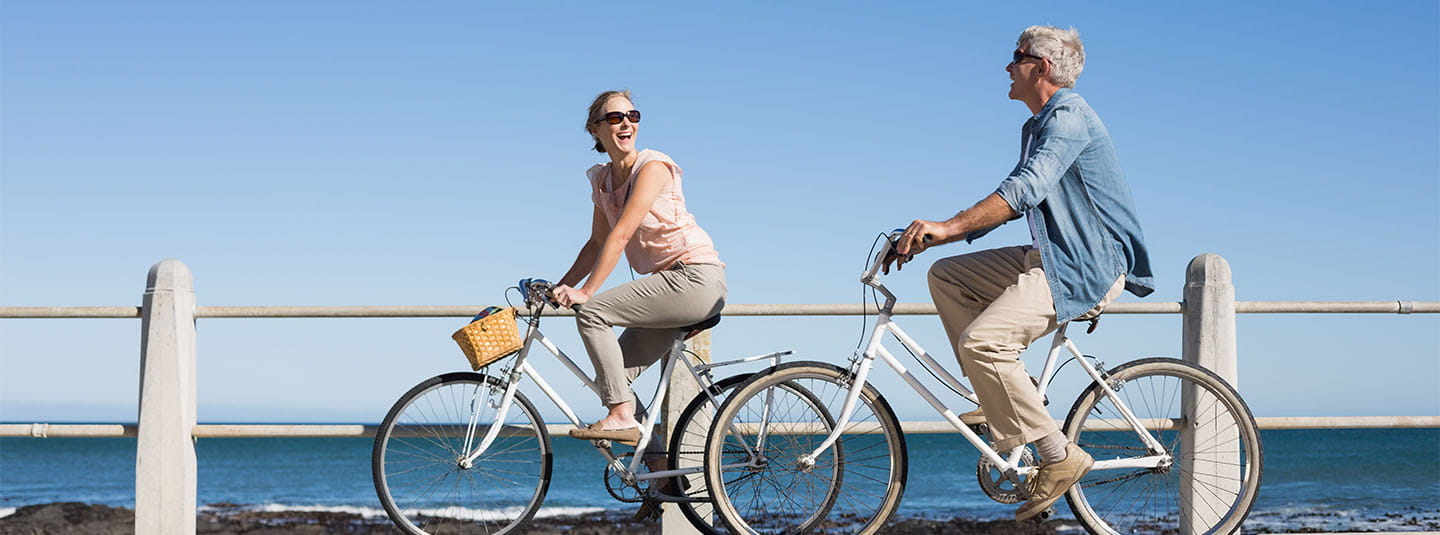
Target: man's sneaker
(1052, 480)
(973, 418)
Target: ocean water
(1338, 480)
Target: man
(1086, 248)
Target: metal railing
(39, 430)
(165, 476)
(901, 309)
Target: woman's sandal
(628, 436)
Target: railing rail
(912, 309)
(41, 430)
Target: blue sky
(309, 153)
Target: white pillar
(1209, 340)
(682, 389)
(165, 453)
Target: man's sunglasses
(615, 117)
(1019, 56)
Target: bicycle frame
(521, 368)
(1009, 466)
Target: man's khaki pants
(993, 304)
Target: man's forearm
(989, 212)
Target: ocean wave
(6, 511)
(376, 512)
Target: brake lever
(538, 291)
(893, 253)
(892, 256)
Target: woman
(639, 210)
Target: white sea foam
(6, 511)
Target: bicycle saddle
(697, 328)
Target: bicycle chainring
(993, 482)
(619, 489)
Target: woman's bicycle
(468, 452)
(1176, 450)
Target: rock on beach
(80, 518)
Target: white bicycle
(1175, 448)
(468, 452)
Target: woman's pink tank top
(667, 234)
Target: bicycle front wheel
(420, 461)
(758, 458)
(687, 450)
(1212, 477)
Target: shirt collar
(1054, 101)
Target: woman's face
(616, 137)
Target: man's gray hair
(1062, 47)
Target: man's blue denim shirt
(1078, 202)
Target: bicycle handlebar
(892, 241)
(537, 292)
(888, 255)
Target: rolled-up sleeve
(1057, 145)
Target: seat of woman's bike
(698, 328)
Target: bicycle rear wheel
(687, 448)
(418, 463)
(756, 458)
(1214, 477)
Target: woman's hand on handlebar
(568, 297)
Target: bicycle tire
(1215, 445)
(867, 465)
(416, 461)
(687, 447)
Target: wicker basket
(490, 338)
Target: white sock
(1052, 447)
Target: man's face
(1025, 74)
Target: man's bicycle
(1175, 447)
(468, 452)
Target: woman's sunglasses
(615, 117)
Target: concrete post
(1209, 341)
(683, 388)
(165, 452)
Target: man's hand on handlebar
(568, 297)
(916, 238)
